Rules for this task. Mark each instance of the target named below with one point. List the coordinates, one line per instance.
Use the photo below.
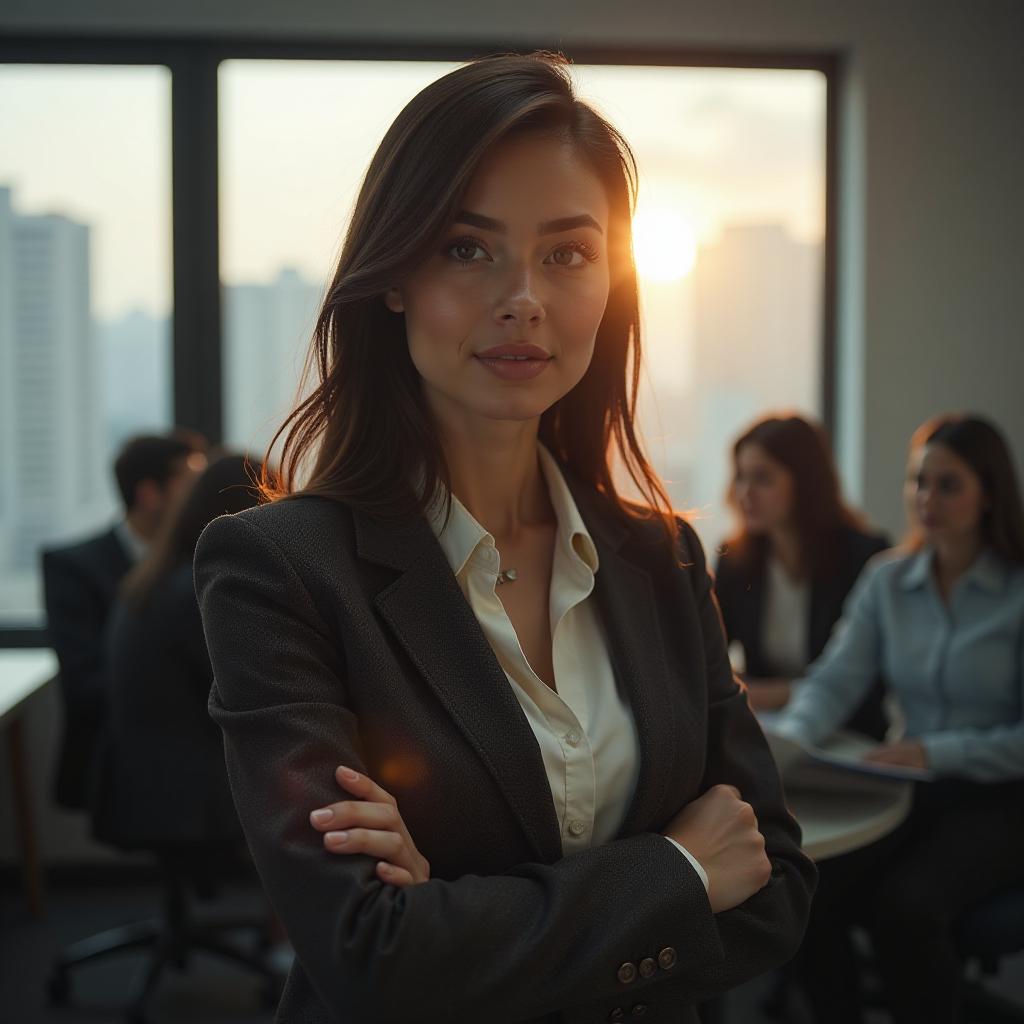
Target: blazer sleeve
(500, 948)
(765, 931)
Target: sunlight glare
(664, 243)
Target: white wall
(931, 167)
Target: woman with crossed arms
(502, 689)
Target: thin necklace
(506, 576)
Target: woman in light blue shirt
(943, 620)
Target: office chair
(985, 935)
(189, 872)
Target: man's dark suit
(338, 640)
(80, 583)
(741, 596)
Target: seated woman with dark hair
(163, 780)
(783, 576)
(943, 619)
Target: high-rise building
(52, 458)
(757, 342)
(267, 333)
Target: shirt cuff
(944, 752)
(693, 860)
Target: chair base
(171, 940)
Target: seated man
(80, 583)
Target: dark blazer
(79, 585)
(741, 595)
(162, 779)
(336, 639)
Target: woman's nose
(520, 302)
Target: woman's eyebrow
(548, 227)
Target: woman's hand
(768, 694)
(721, 831)
(371, 824)
(909, 753)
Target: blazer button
(627, 973)
(639, 1010)
(667, 958)
(618, 1014)
(648, 967)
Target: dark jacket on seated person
(80, 584)
(162, 776)
(742, 596)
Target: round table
(838, 810)
(836, 821)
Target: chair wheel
(58, 987)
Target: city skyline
(744, 145)
(743, 171)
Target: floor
(210, 991)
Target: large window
(729, 233)
(729, 238)
(85, 300)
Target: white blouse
(584, 726)
(785, 622)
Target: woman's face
(501, 318)
(944, 497)
(764, 490)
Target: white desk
(24, 673)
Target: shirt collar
(135, 547)
(462, 534)
(987, 571)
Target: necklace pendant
(506, 576)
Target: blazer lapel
(431, 618)
(626, 599)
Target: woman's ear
(393, 300)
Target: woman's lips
(516, 368)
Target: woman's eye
(572, 255)
(467, 250)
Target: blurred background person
(783, 576)
(943, 620)
(164, 782)
(80, 582)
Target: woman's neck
(496, 475)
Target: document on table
(841, 751)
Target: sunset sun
(664, 244)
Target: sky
(715, 146)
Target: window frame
(196, 337)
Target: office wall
(931, 167)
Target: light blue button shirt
(957, 669)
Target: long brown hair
(818, 508)
(228, 485)
(365, 434)
(980, 444)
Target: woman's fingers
(355, 813)
(361, 786)
(388, 846)
(371, 824)
(393, 875)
